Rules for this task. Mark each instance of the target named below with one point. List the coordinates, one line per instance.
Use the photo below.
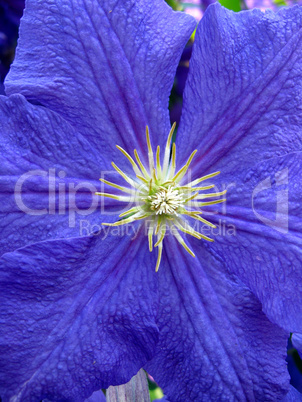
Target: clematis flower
(82, 311)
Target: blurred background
(10, 14)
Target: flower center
(161, 198)
(166, 201)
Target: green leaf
(174, 4)
(231, 4)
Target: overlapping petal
(83, 313)
(293, 395)
(297, 342)
(242, 101)
(264, 211)
(48, 175)
(215, 342)
(97, 396)
(105, 66)
(243, 105)
(79, 316)
(294, 367)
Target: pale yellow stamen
(193, 196)
(162, 232)
(142, 179)
(117, 197)
(167, 150)
(150, 235)
(150, 152)
(159, 197)
(124, 189)
(210, 195)
(134, 165)
(203, 204)
(203, 178)
(199, 218)
(173, 161)
(119, 223)
(182, 242)
(190, 189)
(160, 250)
(184, 169)
(142, 167)
(124, 176)
(158, 167)
(187, 230)
(130, 211)
(158, 225)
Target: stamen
(203, 204)
(190, 189)
(132, 218)
(150, 235)
(208, 176)
(116, 197)
(119, 223)
(193, 196)
(161, 235)
(158, 167)
(142, 179)
(160, 198)
(142, 167)
(124, 176)
(160, 250)
(210, 195)
(142, 216)
(182, 242)
(166, 201)
(158, 225)
(150, 186)
(189, 231)
(134, 165)
(124, 189)
(150, 152)
(199, 218)
(130, 211)
(167, 150)
(154, 175)
(173, 163)
(184, 169)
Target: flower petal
(49, 173)
(97, 396)
(293, 395)
(242, 101)
(76, 315)
(215, 342)
(297, 342)
(264, 249)
(106, 66)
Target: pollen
(162, 197)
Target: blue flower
(82, 312)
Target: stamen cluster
(160, 198)
(166, 201)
